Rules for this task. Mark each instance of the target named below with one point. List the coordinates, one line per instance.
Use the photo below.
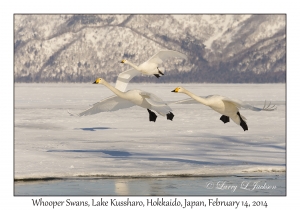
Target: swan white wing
(245, 105)
(150, 95)
(160, 107)
(124, 78)
(156, 103)
(185, 101)
(155, 100)
(164, 55)
(112, 103)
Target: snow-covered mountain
(221, 48)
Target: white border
(8, 201)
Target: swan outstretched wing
(164, 55)
(112, 103)
(156, 103)
(152, 97)
(185, 101)
(239, 104)
(159, 107)
(236, 102)
(124, 78)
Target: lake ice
(48, 142)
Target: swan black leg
(157, 75)
(160, 71)
(152, 116)
(242, 123)
(225, 119)
(170, 116)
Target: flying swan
(150, 67)
(229, 108)
(128, 99)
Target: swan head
(124, 61)
(99, 81)
(178, 90)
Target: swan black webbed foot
(170, 116)
(152, 116)
(242, 123)
(157, 75)
(225, 119)
(160, 71)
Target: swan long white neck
(133, 65)
(114, 90)
(197, 98)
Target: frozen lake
(49, 143)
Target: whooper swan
(150, 67)
(229, 108)
(128, 99)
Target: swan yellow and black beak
(122, 61)
(97, 81)
(175, 90)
